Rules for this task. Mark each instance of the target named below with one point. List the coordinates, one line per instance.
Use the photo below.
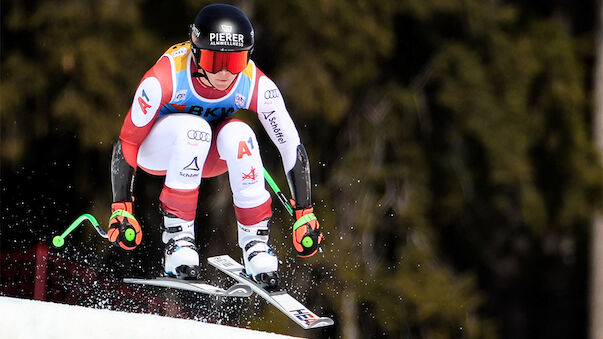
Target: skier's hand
(124, 230)
(307, 235)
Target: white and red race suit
(181, 128)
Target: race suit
(181, 128)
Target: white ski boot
(181, 257)
(260, 262)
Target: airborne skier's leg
(177, 146)
(237, 145)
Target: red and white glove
(307, 235)
(124, 231)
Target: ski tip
(132, 280)
(321, 322)
(239, 290)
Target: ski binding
(284, 302)
(236, 290)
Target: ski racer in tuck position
(180, 126)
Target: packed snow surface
(22, 318)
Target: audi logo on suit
(271, 94)
(198, 135)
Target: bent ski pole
(281, 197)
(59, 240)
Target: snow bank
(21, 319)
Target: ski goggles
(213, 62)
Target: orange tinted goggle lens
(213, 62)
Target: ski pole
(59, 240)
(281, 197)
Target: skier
(180, 126)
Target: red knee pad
(179, 202)
(253, 215)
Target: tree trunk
(596, 283)
(350, 316)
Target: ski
(292, 308)
(236, 290)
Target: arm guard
(299, 179)
(122, 175)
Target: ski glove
(124, 230)
(307, 235)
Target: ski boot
(261, 264)
(181, 256)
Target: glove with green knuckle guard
(124, 230)
(307, 234)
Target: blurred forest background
(451, 143)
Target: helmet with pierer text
(221, 37)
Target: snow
(31, 319)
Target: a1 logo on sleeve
(146, 101)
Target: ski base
(284, 302)
(236, 290)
